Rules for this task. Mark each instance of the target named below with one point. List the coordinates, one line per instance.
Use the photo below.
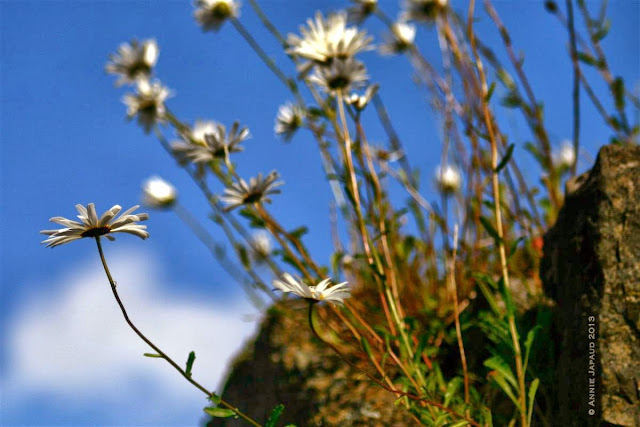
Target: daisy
(324, 40)
(211, 14)
(256, 191)
(320, 292)
(209, 141)
(158, 193)
(399, 39)
(288, 121)
(565, 157)
(342, 75)
(134, 60)
(147, 103)
(261, 245)
(423, 10)
(91, 226)
(360, 101)
(448, 179)
(361, 10)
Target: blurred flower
(133, 61)
(422, 10)
(342, 75)
(199, 130)
(261, 245)
(211, 14)
(326, 40)
(288, 121)
(158, 193)
(361, 10)
(320, 292)
(360, 101)
(91, 226)
(399, 39)
(147, 103)
(256, 191)
(448, 179)
(565, 157)
(209, 140)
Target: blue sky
(65, 141)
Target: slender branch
(157, 349)
(496, 196)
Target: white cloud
(72, 346)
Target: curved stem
(157, 349)
(498, 214)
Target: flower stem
(157, 350)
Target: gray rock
(591, 268)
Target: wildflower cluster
(403, 274)
(329, 45)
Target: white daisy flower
(289, 120)
(320, 292)
(211, 14)
(147, 103)
(342, 75)
(91, 226)
(325, 40)
(448, 179)
(423, 10)
(565, 157)
(158, 193)
(134, 60)
(360, 10)
(209, 141)
(399, 39)
(256, 191)
(360, 101)
(261, 245)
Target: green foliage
(275, 416)
(190, 360)
(217, 412)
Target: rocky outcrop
(591, 268)
(287, 364)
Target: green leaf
(506, 158)
(514, 245)
(499, 379)
(190, 360)
(491, 299)
(512, 100)
(590, 60)
(275, 415)
(452, 389)
(506, 295)
(153, 355)
(254, 220)
(459, 423)
(215, 398)
(528, 343)
(243, 254)
(533, 388)
(497, 363)
(299, 232)
(487, 98)
(219, 412)
(617, 87)
(492, 231)
(366, 347)
(603, 31)
(422, 344)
